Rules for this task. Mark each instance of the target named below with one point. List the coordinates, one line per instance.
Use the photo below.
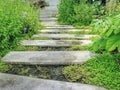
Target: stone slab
(60, 31)
(60, 27)
(49, 23)
(65, 36)
(55, 43)
(16, 82)
(53, 2)
(49, 19)
(48, 57)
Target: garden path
(56, 36)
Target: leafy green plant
(17, 19)
(102, 70)
(66, 11)
(78, 12)
(83, 14)
(109, 30)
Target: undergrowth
(18, 19)
(102, 70)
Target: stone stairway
(55, 32)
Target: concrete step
(63, 31)
(55, 43)
(49, 23)
(59, 27)
(49, 19)
(63, 36)
(16, 82)
(53, 2)
(47, 57)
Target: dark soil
(37, 71)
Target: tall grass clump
(17, 18)
(75, 12)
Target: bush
(83, 14)
(109, 30)
(17, 18)
(66, 11)
(102, 70)
(76, 12)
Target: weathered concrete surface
(15, 82)
(55, 43)
(60, 27)
(53, 2)
(48, 57)
(65, 36)
(64, 31)
(48, 23)
(49, 19)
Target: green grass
(102, 70)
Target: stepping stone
(60, 27)
(16, 82)
(55, 43)
(53, 2)
(49, 23)
(65, 36)
(47, 57)
(49, 19)
(60, 31)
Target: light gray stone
(49, 19)
(55, 43)
(53, 2)
(49, 23)
(48, 57)
(60, 31)
(15, 82)
(60, 27)
(66, 36)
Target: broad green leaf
(113, 42)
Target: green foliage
(3, 66)
(17, 18)
(66, 11)
(109, 30)
(83, 14)
(102, 70)
(78, 12)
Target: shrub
(109, 30)
(102, 70)
(76, 12)
(83, 14)
(66, 11)
(17, 18)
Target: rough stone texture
(15, 82)
(60, 27)
(47, 23)
(55, 43)
(53, 2)
(49, 19)
(48, 57)
(67, 36)
(60, 31)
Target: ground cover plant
(102, 70)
